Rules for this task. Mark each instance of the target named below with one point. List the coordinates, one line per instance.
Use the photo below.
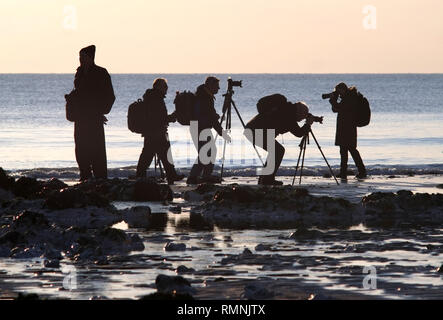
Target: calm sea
(405, 130)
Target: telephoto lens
(328, 95)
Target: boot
(269, 181)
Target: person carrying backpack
(276, 113)
(207, 118)
(86, 106)
(346, 133)
(155, 133)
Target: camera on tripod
(232, 83)
(315, 118)
(332, 95)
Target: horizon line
(246, 73)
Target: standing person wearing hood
(346, 133)
(94, 96)
(156, 139)
(282, 121)
(207, 118)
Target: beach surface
(364, 239)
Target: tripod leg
(228, 126)
(155, 165)
(319, 148)
(221, 123)
(223, 160)
(303, 160)
(162, 173)
(298, 161)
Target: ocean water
(405, 128)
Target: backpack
(184, 107)
(273, 103)
(71, 106)
(362, 111)
(137, 116)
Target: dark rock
(137, 217)
(27, 187)
(205, 188)
(52, 264)
(30, 220)
(236, 193)
(6, 182)
(171, 246)
(183, 269)
(149, 190)
(376, 196)
(113, 234)
(13, 238)
(301, 192)
(49, 187)
(404, 193)
(27, 296)
(219, 279)
(168, 285)
(74, 198)
(262, 247)
(304, 233)
(440, 270)
(5, 196)
(440, 186)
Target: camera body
(332, 95)
(315, 118)
(232, 83)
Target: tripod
(228, 103)
(158, 162)
(302, 145)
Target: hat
(89, 51)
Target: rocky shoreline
(49, 220)
(246, 206)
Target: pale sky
(223, 36)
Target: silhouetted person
(94, 96)
(156, 132)
(282, 121)
(346, 133)
(207, 118)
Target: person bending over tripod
(156, 132)
(283, 119)
(346, 134)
